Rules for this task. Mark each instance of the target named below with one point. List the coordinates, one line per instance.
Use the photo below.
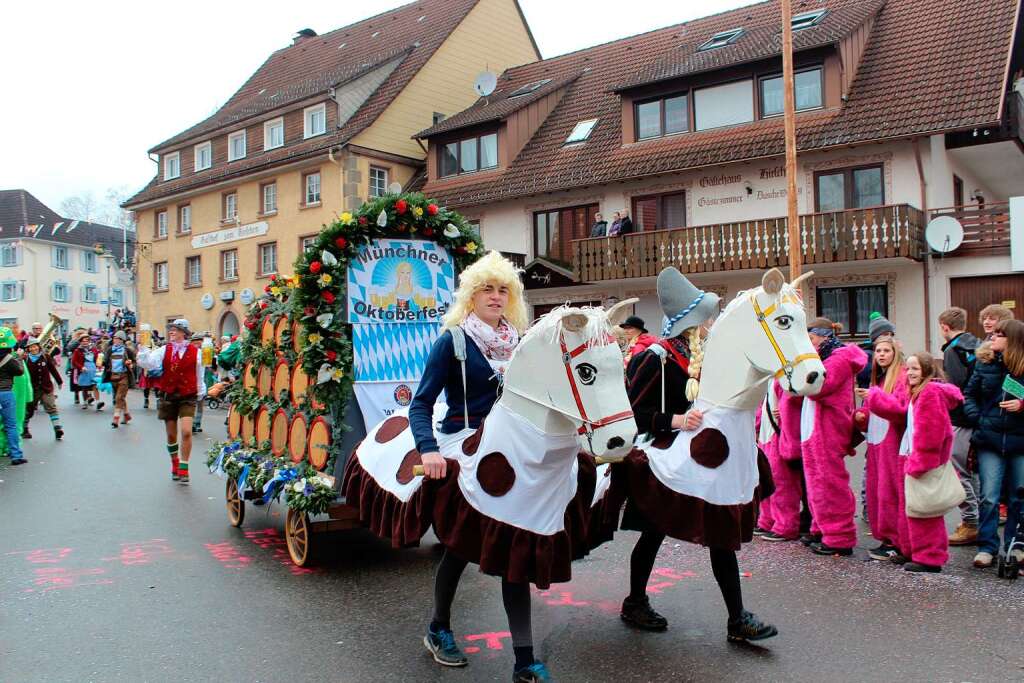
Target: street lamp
(108, 258)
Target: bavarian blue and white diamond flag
(392, 353)
(400, 281)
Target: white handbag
(934, 493)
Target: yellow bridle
(762, 317)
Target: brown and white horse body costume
(701, 485)
(518, 498)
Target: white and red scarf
(495, 343)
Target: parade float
(356, 320)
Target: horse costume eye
(587, 373)
(784, 322)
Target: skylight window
(722, 39)
(807, 19)
(529, 88)
(581, 132)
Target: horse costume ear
(772, 281)
(618, 313)
(574, 322)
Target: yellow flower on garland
(471, 247)
(276, 291)
(324, 280)
(417, 211)
(338, 374)
(346, 218)
(314, 338)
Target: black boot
(749, 628)
(25, 434)
(639, 613)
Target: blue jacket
(444, 373)
(995, 429)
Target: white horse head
(762, 334)
(566, 376)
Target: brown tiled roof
(761, 39)
(496, 106)
(312, 66)
(929, 66)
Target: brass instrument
(49, 339)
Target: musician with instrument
(43, 371)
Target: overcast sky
(90, 86)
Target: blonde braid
(696, 360)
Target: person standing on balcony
(625, 225)
(600, 227)
(613, 229)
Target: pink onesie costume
(789, 486)
(884, 467)
(927, 444)
(826, 423)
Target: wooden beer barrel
(234, 423)
(296, 336)
(281, 380)
(297, 437)
(267, 331)
(319, 442)
(262, 425)
(264, 380)
(248, 430)
(298, 384)
(279, 432)
(248, 376)
(279, 329)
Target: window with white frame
(89, 261)
(378, 181)
(60, 292)
(161, 224)
(193, 271)
(312, 188)
(306, 242)
(236, 145)
(60, 258)
(10, 255)
(273, 133)
(229, 264)
(12, 291)
(90, 294)
(203, 156)
(117, 297)
(268, 258)
(315, 120)
(270, 198)
(160, 276)
(231, 206)
(172, 165)
(581, 131)
(185, 218)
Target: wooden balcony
(856, 235)
(986, 229)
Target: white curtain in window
(724, 105)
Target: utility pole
(789, 114)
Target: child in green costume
(15, 393)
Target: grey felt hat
(683, 304)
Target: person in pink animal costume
(826, 423)
(927, 444)
(884, 467)
(779, 518)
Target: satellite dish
(485, 83)
(944, 234)
(395, 188)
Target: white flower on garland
(328, 259)
(382, 219)
(324, 320)
(298, 487)
(451, 231)
(324, 374)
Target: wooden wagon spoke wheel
(297, 536)
(235, 504)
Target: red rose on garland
(401, 205)
(315, 266)
(341, 242)
(428, 232)
(267, 289)
(332, 356)
(263, 305)
(327, 296)
(460, 250)
(362, 220)
(309, 310)
(432, 209)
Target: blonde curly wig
(491, 268)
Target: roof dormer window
(172, 165)
(528, 88)
(581, 132)
(807, 19)
(722, 39)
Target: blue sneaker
(441, 645)
(535, 673)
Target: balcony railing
(855, 235)
(986, 229)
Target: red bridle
(589, 425)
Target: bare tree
(82, 207)
(106, 211)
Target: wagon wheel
(298, 536)
(235, 504)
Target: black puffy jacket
(994, 428)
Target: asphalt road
(109, 571)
